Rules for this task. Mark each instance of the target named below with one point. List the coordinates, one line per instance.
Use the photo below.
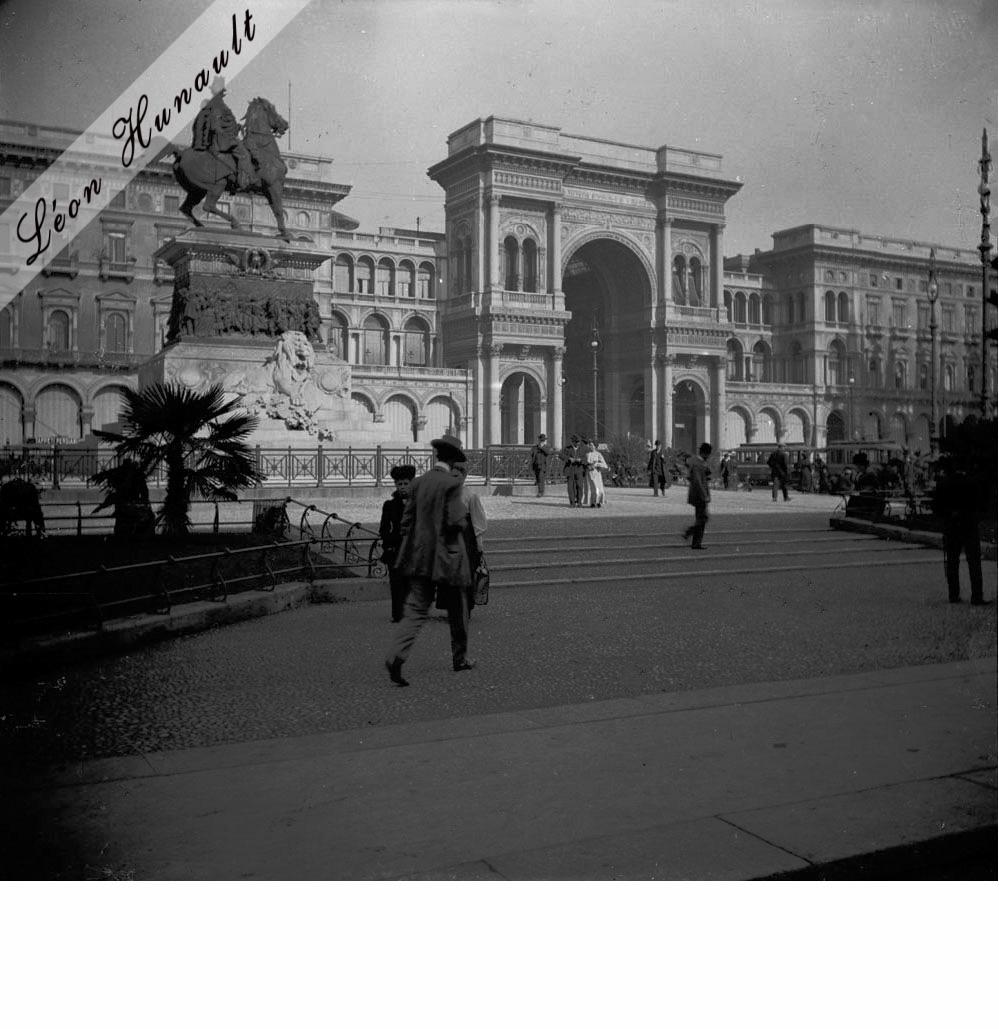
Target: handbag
(480, 586)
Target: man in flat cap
(540, 453)
(390, 531)
(432, 556)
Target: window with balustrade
(425, 281)
(948, 318)
(511, 264)
(761, 362)
(695, 283)
(733, 360)
(530, 253)
(873, 311)
(679, 280)
(835, 363)
(830, 305)
(900, 375)
(384, 278)
(754, 309)
(740, 308)
(899, 314)
(843, 309)
(800, 307)
(727, 297)
(924, 376)
(948, 379)
(365, 278)
(971, 319)
(404, 279)
(343, 274)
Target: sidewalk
(779, 779)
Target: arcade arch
(609, 292)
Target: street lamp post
(594, 346)
(985, 249)
(931, 293)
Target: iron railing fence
(87, 598)
(58, 465)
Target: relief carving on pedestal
(284, 387)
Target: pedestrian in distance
(574, 466)
(596, 465)
(779, 475)
(540, 453)
(957, 500)
(433, 555)
(699, 496)
(725, 468)
(390, 532)
(658, 469)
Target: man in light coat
(433, 556)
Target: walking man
(658, 471)
(433, 555)
(540, 453)
(390, 530)
(575, 470)
(699, 496)
(779, 475)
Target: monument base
(300, 397)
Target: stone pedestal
(244, 316)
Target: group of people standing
(583, 465)
(431, 530)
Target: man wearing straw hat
(433, 556)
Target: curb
(901, 534)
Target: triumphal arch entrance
(584, 285)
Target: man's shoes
(686, 534)
(464, 666)
(980, 602)
(394, 669)
(698, 546)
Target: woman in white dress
(595, 467)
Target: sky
(864, 115)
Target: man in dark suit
(574, 467)
(699, 496)
(779, 474)
(433, 556)
(957, 499)
(540, 453)
(390, 530)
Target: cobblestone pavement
(319, 668)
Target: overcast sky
(857, 114)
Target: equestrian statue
(221, 159)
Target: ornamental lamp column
(932, 291)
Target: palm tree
(198, 438)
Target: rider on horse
(217, 131)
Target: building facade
(579, 286)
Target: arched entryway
(520, 409)
(608, 290)
(688, 416)
(835, 428)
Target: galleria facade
(580, 285)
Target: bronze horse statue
(205, 174)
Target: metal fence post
(489, 465)
(289, 467)
(350, 466)
(55, 465)
(319, 465)
(378, 465)
(79, 518)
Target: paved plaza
(794, 701)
